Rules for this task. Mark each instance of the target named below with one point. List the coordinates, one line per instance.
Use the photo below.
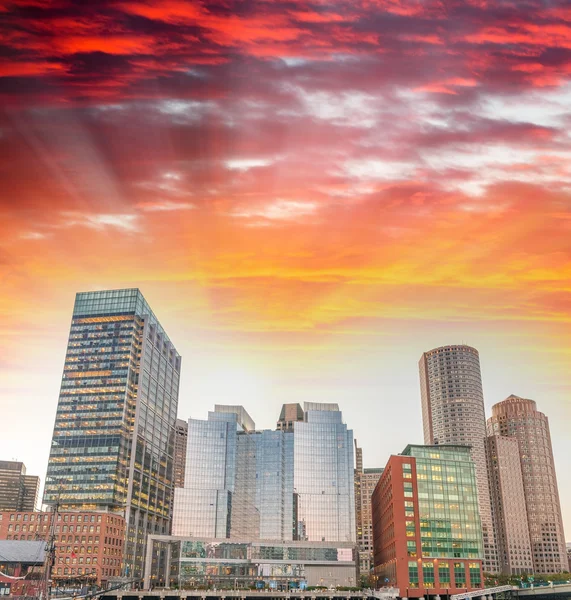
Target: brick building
(427, 532)
(89, 545)
(21, 559)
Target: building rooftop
(15, 551)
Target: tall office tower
(289, 414)
(180, 442)
(426, 523)
(18, 491)
(453, 413)
(289, 484)
(519, 418)
(365, 483)
(203, 507)
(508, 503)
(323, 474)
(357, 483)
(113, 440)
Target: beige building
(453, 413)
(290, 414)
(508, 503)
(180, 441)
(519, 418)
(365, 482)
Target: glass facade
(202, 507)
(323, 477)
(290, 484)
(199, 562)
(447, 502)
(113, 439)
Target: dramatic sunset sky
(309, 195)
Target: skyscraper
(365, 482)
(294, 483)
(113, 440)
(289, 414)
(453, 413)
(519, 418)
(180, 443)
(323, 474)
(508, 503)
(203, 507)
(18, 491)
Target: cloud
(245, 164)
(164, 206)
(123, 222)
(34, 235)
(279, 210)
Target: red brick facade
(89, 545)
(397, 541)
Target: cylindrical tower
(453, 413)
(519, 418)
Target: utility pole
(50, 556)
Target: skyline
(310, 195)
(229, 399)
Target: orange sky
(308, 194)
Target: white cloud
(34, 235)
(294, 61)
(244, 164)
(280, 210)
(164, 206)
(125, 222)
(547, 108)
(187, 110)
(351, 108)
(372, 169)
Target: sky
(309, 195)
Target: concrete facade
(508, 501)
(453, 413)
(365, 482)
(519, 418)
(180, 443)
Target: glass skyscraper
(290, 484)
(324, 475)
(113, 440)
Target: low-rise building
(89, 545)
(187, 563)
(427, 533)
(21, 567)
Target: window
(444, 574)
(475, 575)
(459, 574)
(411, 548)
(412, 574)
(428, 574)
(410, 529)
